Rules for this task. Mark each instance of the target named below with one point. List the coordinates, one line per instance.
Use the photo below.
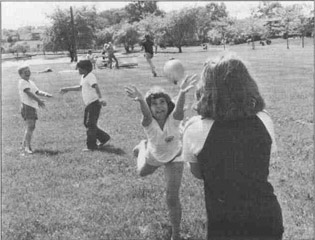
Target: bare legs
(30, 127)
(148, 57)
(173, 175)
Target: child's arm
(185, 86)
(98, 92)
(34, 97)
(72, 88)
(134, 93)
(42, 93)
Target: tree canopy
(208, 24)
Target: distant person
(90, 56)
(228, 146)
(147, 44)
(108, 47)
(93, 101)
(30, 103)
(161, 121)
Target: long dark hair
(227, 91)
(158, 92)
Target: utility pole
(73, 52)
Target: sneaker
(100, 145)
(28, 151)
(87, 149)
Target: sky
(28, 13)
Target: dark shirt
(148, 46)
(234, 163)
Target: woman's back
(234, 164)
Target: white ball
(174, 71)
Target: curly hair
(227, 91)
(85, 64)
(158, 92)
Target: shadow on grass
(47, 152)
(112, 149)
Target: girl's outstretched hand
(134, 93)
(188, 83)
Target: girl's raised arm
(136, 95)
(185, 86)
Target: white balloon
(174, 71)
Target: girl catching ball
(161, 120)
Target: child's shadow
(47, 152)
(112, 149)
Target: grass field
(60, 192)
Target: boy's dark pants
(110, 60)
(91, 115)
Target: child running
(161, 123)
(28, 92)
(92, 98)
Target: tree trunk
(302, 41)
(179, 49)
(71, 56)
(126, 46)
(73, 42)
(288, 42)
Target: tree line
(210, 24)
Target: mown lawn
(60, 192)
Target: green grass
(61, 193)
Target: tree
(304, 23)
(85, 26)
(110, 17)
(20, 47)
(127, 35)
(255, 28)
(206, 16)
(137, 10)
(153, 25)
(103, 36)
(224, 27)
(180, 27)
(289, 16)
(59, 37)
(268, 10)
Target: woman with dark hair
(228, 146)
(161, 121)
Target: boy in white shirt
(93, 101)
(28, 92)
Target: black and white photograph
(157, 120)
